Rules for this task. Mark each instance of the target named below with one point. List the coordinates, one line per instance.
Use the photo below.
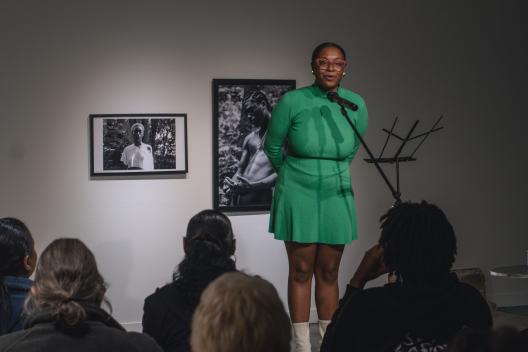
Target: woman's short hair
(419, 242)
(16, 243)
(238, 312)
(66, 277)
(137, 125)
(320, 47)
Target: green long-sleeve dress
(313, 201)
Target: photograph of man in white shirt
(138, 156)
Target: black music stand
(397, 159)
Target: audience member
(504, 339)
(240, 313)
(64, 311)
(425, 306)
(17, 262)
(209, 246)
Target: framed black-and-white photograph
(243, 177)
(130, 144)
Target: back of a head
(209, 245)
(419, 242)
(66, 278)
(210, 225)
(16, 249)
(16, 243)
(238, 312)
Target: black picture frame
(238, 108)
(162, 149)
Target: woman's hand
(371, 267)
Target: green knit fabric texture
(313, 199)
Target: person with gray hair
(138, 155)
(242, 313)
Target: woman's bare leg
(326, 286)
(301, 259)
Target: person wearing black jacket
(64, 308)
(18, 259)
(209, 245)
(424, 307)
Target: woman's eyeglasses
(324, 64)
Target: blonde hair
(238, 312)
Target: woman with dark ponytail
(64, 307)
(209, 246)
(17, 262)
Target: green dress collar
(319, 93)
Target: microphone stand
(395, 193)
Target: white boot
(301, 337)
(323, 324)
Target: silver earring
(344, 74)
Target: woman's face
(328, 68)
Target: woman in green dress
(313, 209)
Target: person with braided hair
(17, 262)
(424, 306)
(255, 177)
(209, 245)
(64, 308)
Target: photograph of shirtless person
(244, 177)
(253, 181)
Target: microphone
(333, 96)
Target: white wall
(63, 60)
